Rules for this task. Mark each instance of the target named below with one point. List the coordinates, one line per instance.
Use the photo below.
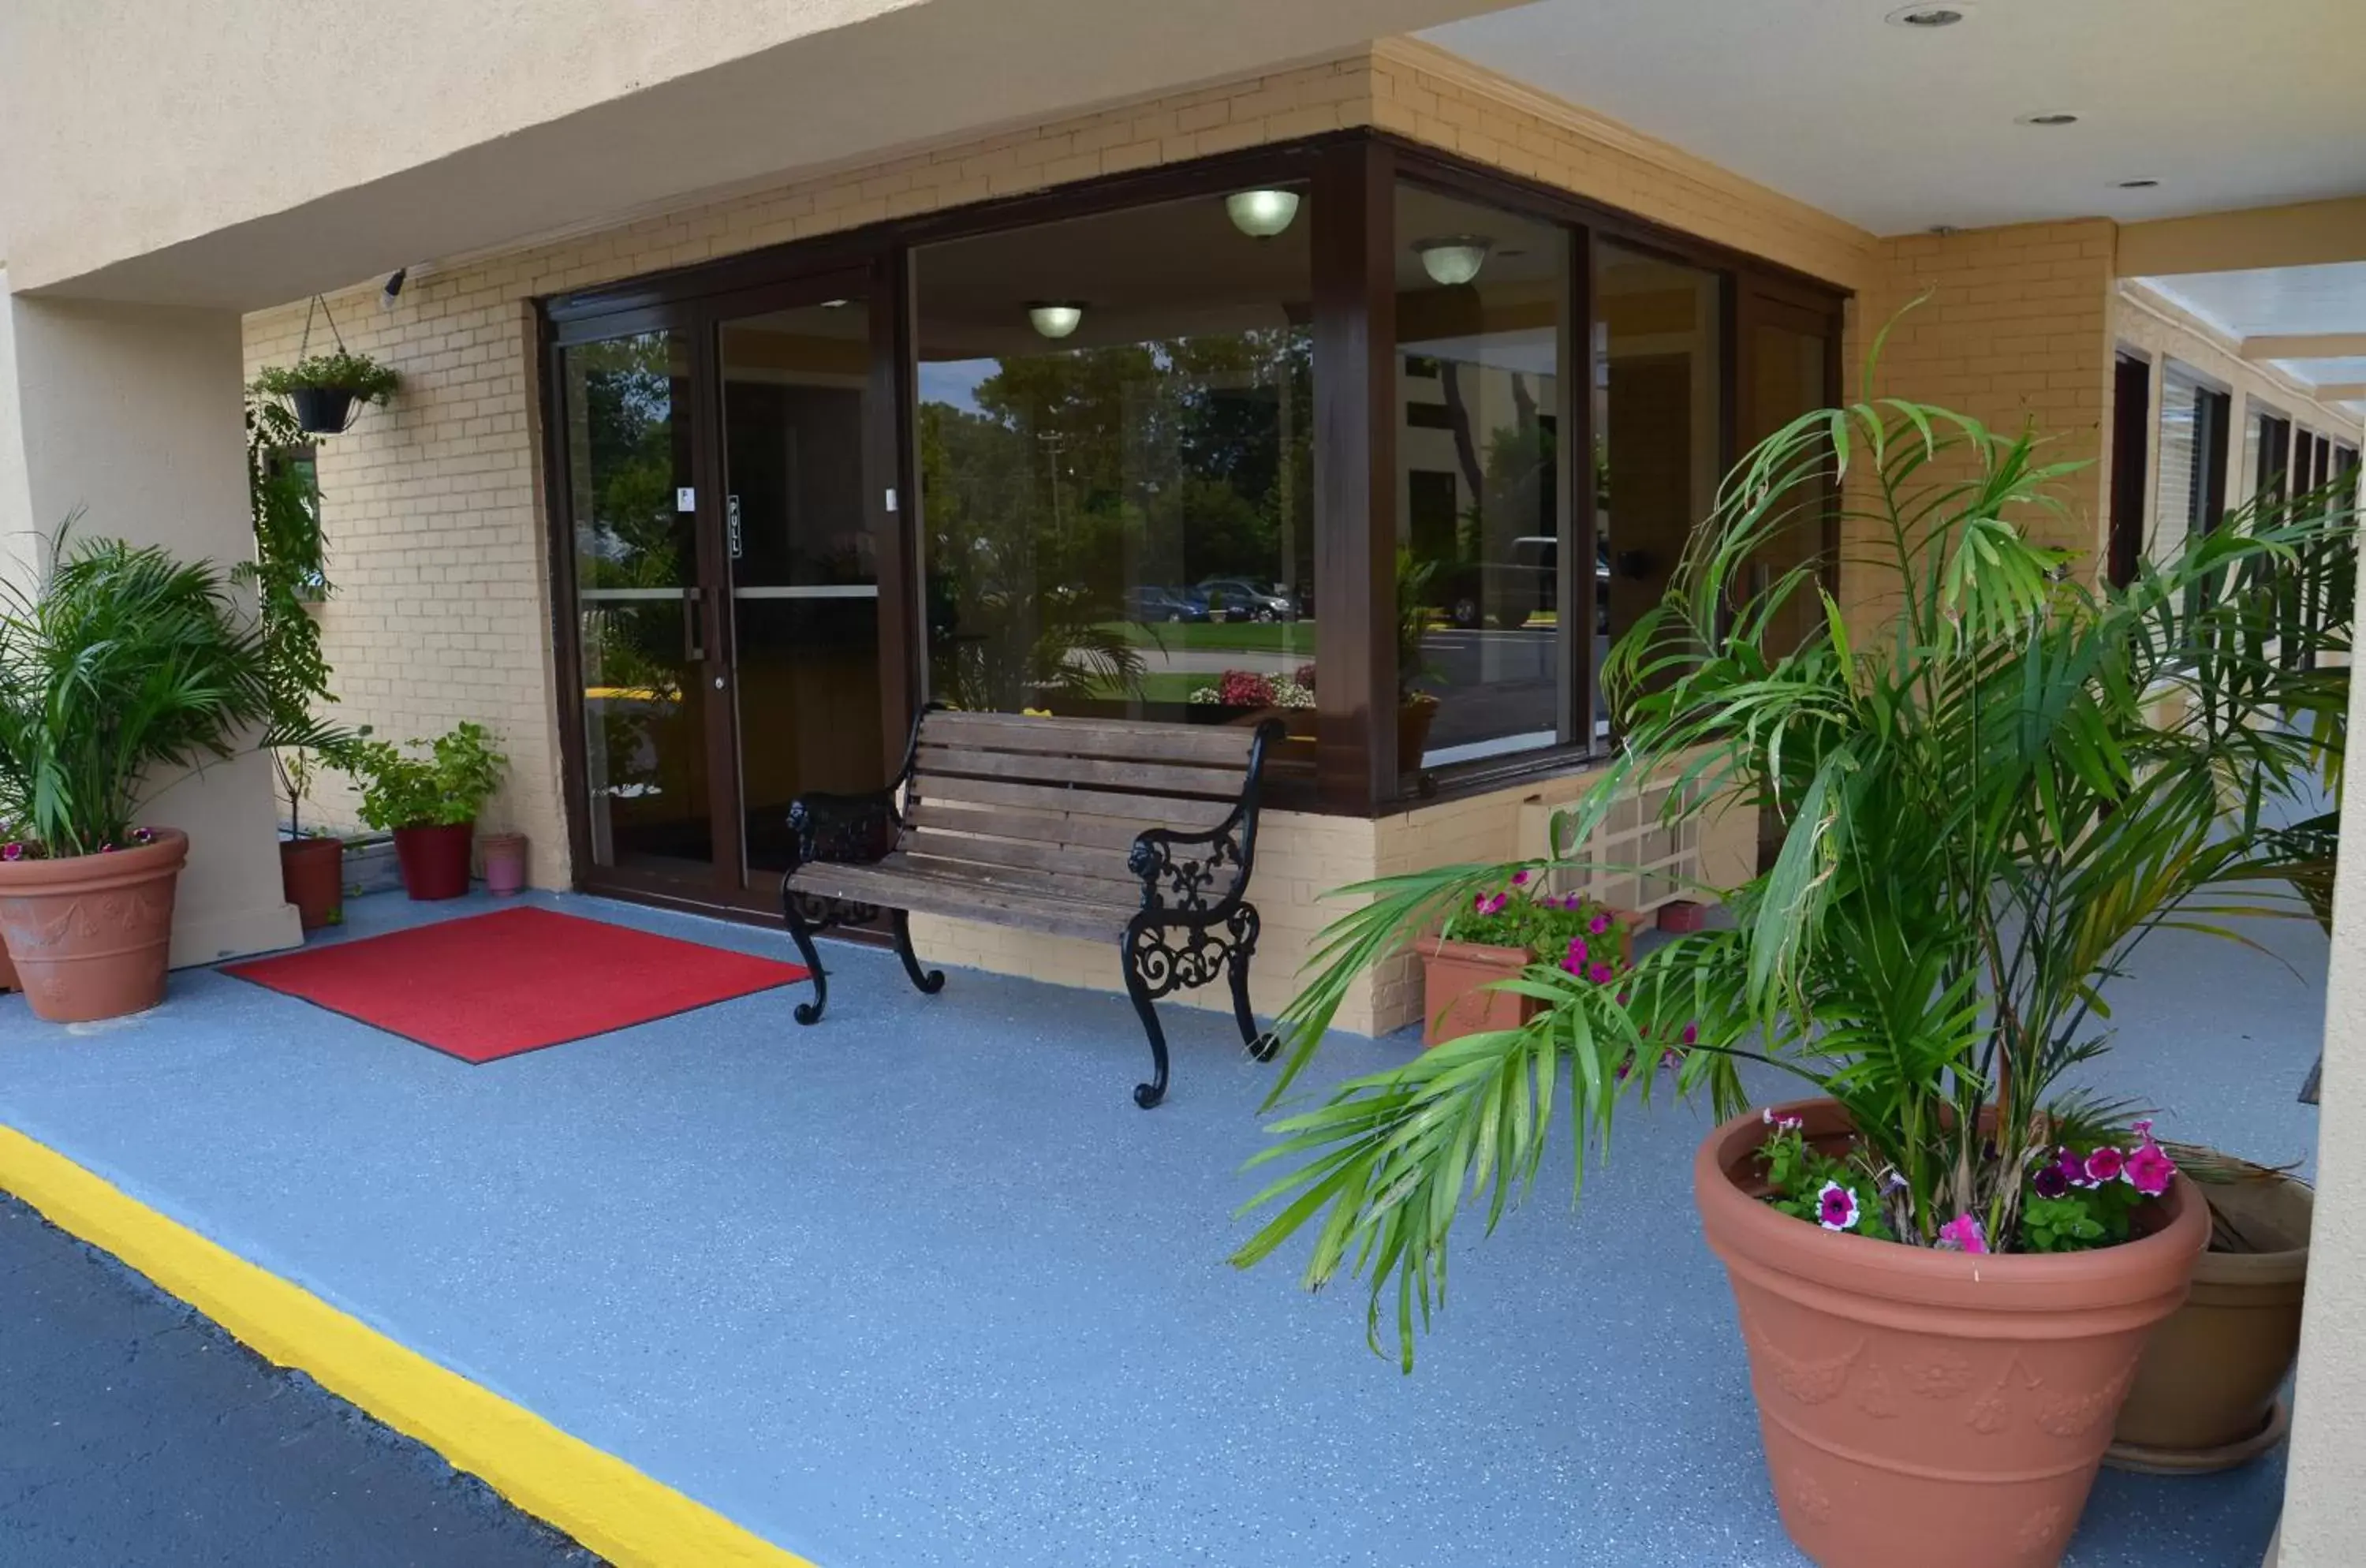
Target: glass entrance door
(641, 639)
(801, 564)
(723, 540)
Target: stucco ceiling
(2226, 103)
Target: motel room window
(1482, 524)
(2267, 447)
(1115, 451)
(2191, 493)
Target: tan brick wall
(436, 526)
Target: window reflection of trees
(1079, 475)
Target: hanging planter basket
(324, 411)
(327, 391)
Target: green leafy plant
(1414, 577)
(447, 786)
(1568, 929)
(343, 371)
(1984, 805)
(122, 662)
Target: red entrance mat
(493, 986)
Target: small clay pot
(504, 860)
(312, 877)
(90, 935)
(1943, 1409)
(435, 859)
(2208, 1394)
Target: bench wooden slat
(1038, 767)
(1051, 828)
(1184, 812)
(1099, 862)
(1225, 745)
(930, 894)
(1075, 884)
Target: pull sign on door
(686, 498)
(731, 522)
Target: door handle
(693, 604)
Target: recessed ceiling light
(1926, 15)
(2138, 185)
(2053, 117)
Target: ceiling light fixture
(1056, 318)
(1450, 259)
(2138, 185)
(2052, 118)
(1261, 214)
(1943, 230)
(1925, 15)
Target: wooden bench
(1112, 830)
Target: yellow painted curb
(594, 1497)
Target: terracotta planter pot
(1939, 1408)
(89, 936)
(504, 858)
(312, 877)
(435, 859)
(1455, 998)
(8, 971)
(2208, 1394)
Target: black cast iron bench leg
(1236, 966)
(927, 984)
(801, 932)
(1138, 987)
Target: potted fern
(326, 391)
(122, 662)
(1947, 1264)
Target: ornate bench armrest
(1192, 874)
(842, 827)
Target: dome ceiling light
(1451, 259)
(1261, 214)
(1056, 318)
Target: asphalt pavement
(136, 1434)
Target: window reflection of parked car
(1149, 603)
(1237, 599)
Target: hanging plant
(327, 390)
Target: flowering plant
(1568, 929)
(1980, 808)
(1247, 689)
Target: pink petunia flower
(1491, 903)
(1574, 959)
(1600, 923)
(143, 835)
(1600, 973)
(2150, 1170)
(12, 851)
(1836, 1207)
(1963, 1234)
(2143, 1129)
(2074, 1168)
(1519, 879)
(1692, 1034)
(2104, 1165)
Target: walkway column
(131, 414)
(2325, 1507)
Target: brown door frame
(726, 889)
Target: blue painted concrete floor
(920, 1286)
(134, 1433)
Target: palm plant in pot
(120, 662)
(1946, 1261)
(430, 803)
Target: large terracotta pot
(435, 859)
(1456, 995)
(2208, 1394)
(1943, 1409)
(7, 970)
(89, 935)
(312, 877)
